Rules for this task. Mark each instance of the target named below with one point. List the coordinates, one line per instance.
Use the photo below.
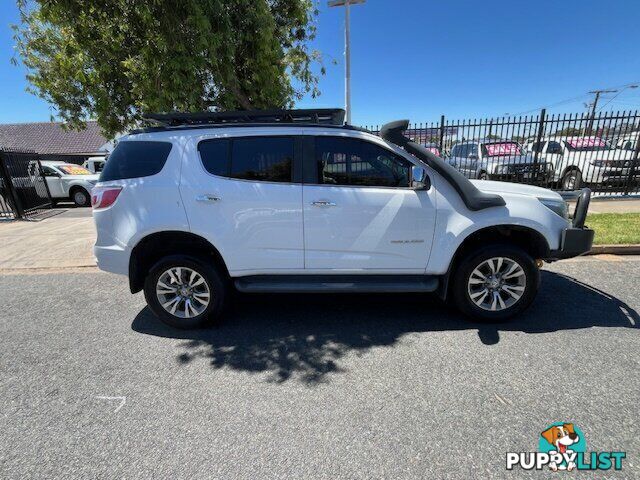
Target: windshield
(502, 149)
(587, 144)
(73, 170)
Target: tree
(569, 132)
(117, 59)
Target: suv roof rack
(325, 116)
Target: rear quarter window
(134, 159)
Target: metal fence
(24, 192)
(561, 151)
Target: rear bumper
(112, 258)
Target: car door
(465, 159)
(360, 212)
(458, 154)
(239, 193)
(54, 181)
(553, 153)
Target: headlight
(559, 207)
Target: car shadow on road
(305, 336)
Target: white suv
(296, 201)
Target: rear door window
(216, 156)
(267, 159)
(134, 159)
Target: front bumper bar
(578, 239)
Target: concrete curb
(615, 250)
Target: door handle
(207, 198)
(323, 203)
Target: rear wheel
(81, 197)
(185, 292)
(496, 282)
(483, 176)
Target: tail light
(103, 197)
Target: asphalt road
(385, 386)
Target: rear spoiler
(473, 198)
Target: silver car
(499, 160)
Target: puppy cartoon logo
(562, 447)
(562, 438)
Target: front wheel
(496, 282)
(185, 292)
(572, 180)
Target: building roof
(50, 138)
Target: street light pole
(347, 50)
(347, 61)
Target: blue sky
(419, 59)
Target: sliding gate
(23, 190)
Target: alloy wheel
(496, 284)
(183, 292)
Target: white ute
(67, 181)
(296, 201)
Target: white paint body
(556, 152)
(60, 186)
(94, 164)
(274, 228)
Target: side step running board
(337, 283)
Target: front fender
(454, 224)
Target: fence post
(543, 114)
(632, 170)
(441, 146)
(10, 188)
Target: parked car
(94, 164)
(497, 159)
(67, 181)
(628, 142)
(190, 212)
(433, 148)
(583, 160)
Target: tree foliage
(115, 59)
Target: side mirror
(420, 179)
(52, 174)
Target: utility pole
(347, 50)
(594, 105)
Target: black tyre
(483, 176)
(81, 197)
(572, 180)
(494, 283)
(185, 292)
